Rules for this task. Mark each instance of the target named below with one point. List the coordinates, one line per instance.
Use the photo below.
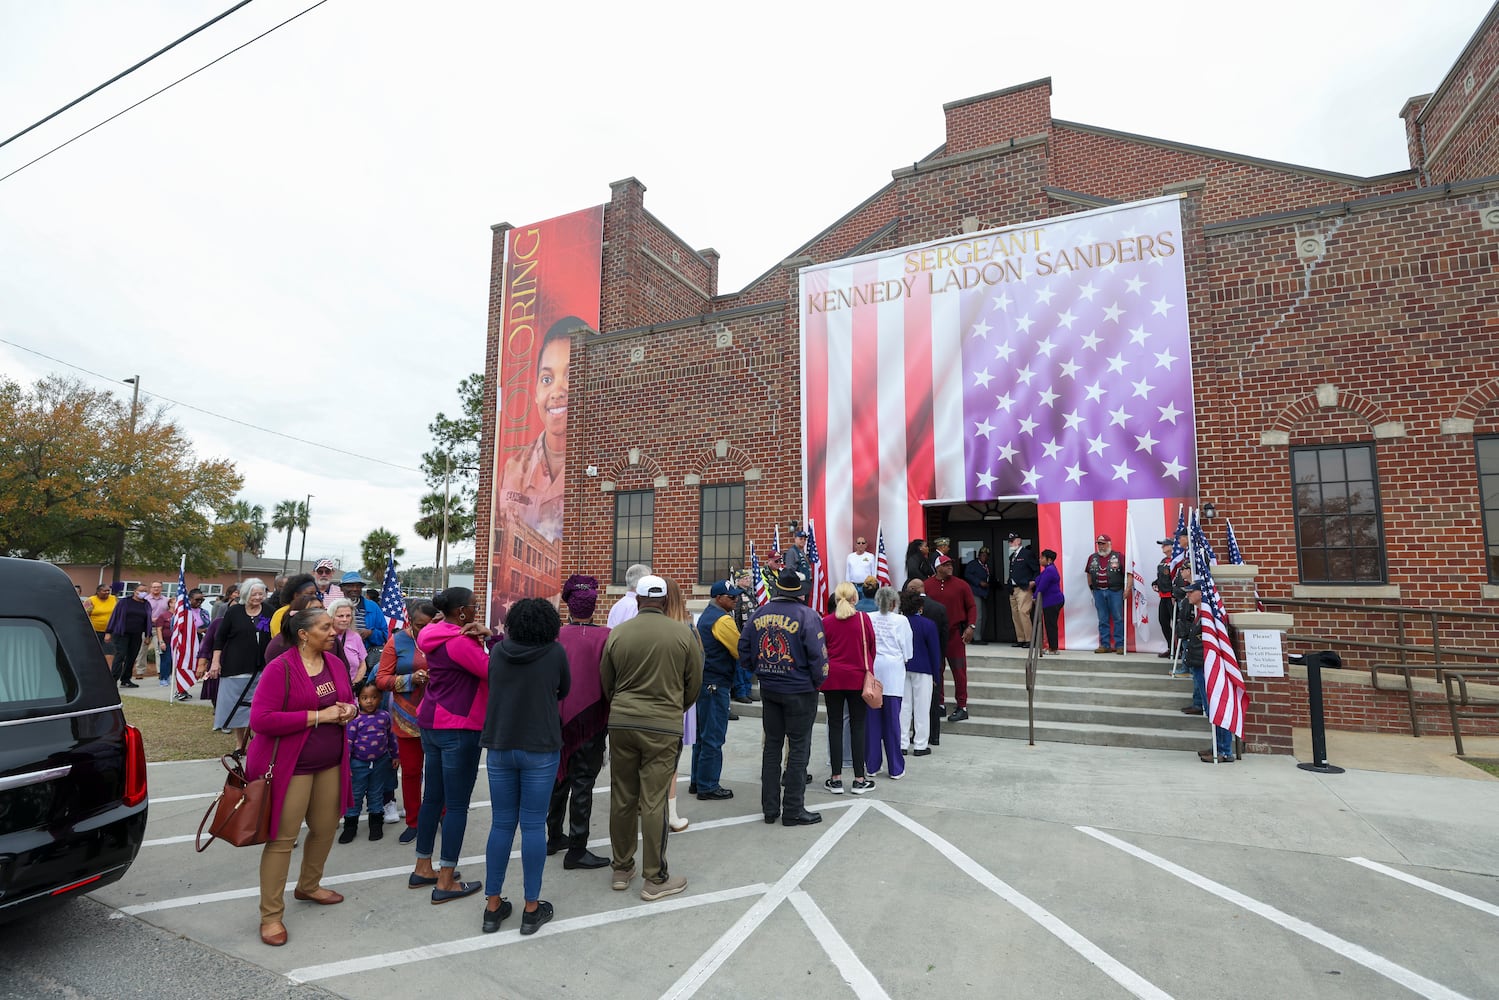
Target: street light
(307, 516)
(119, 566)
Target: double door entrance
(984, 525)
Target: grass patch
(181, 731)
(1491, 766)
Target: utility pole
(119, 566)
(447, 474)
(307, 516)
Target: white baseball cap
(650, 586)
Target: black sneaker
(958, 715)
(834, 785)
(531, 920)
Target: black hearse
(72, 773)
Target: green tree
(456, 446)
(429, 522)
(373, 550)
(249, 524)
(72, 472)
(288, 516)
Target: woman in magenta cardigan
(297, 718)
(451, 717)
(850, 639)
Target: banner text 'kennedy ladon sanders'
(991, 260)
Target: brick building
(1345, 329)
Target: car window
(33, 671)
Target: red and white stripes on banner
(1071, 528)
(1221, 674)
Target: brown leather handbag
(874, 691)
(241, 813)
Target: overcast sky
(299, 236)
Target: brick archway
(1474, 403)
(733, 457)
(623, 466)
(1299, 410)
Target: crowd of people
(351, 720)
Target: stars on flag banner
(184, 636)
(819, 578)
(392, 601)
(757, 578)
(881, 560)
(1220, 665)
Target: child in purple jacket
(373, 760)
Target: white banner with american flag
(1048, 362)
(183, 637)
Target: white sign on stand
(1262, 653)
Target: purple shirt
(371, 736)
(1049, 587)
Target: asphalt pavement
(992, 869)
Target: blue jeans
(164, 662)
(712, 729)
(742, 681)
(1110, 607)
(1225, 741)
(452, 767)
(370, 778)
(520, 790)
(1199, 689)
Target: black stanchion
(1314, 662)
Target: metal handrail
(1441, 657)
(1033, 654)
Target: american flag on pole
(881, 561)
(1177, 552)
(762, 594)
(184, 636)
(1236, 558)
(392, 601)
(1221, 675)
(1047, 362)
(819, 578)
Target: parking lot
(992, 869)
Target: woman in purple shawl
(585, 723)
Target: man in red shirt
(956, 598)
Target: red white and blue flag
(392, 601)
(820, 590)
(762, 594)
(1236, 558)
(1047, 362)
(881, 561)
(1220, 665)
(184, 637)
(1177, 552)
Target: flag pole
(1176, 639)
(1192, 561)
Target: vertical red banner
(553, 279)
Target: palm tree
(255, 530)
(430, 523)
(284, 518)
(377, 545)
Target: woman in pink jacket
(451, 717)
(297, 718)
(851, 646)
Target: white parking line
(379, 873)
(1412, 981)
(854, 972)
(720, 951)
(181, 798)
(1421, 883)
(1110, 966)
(447, 949)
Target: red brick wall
(1458, 126)
(1396, 312)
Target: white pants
(916, 704)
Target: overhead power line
(212, 413)
(163, 90)
(124, 73)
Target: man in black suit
(1024, 568)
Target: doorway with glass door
(978, 531)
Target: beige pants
(1020, 611)
(315, 798)
(642, 767)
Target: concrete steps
(1095, 699)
